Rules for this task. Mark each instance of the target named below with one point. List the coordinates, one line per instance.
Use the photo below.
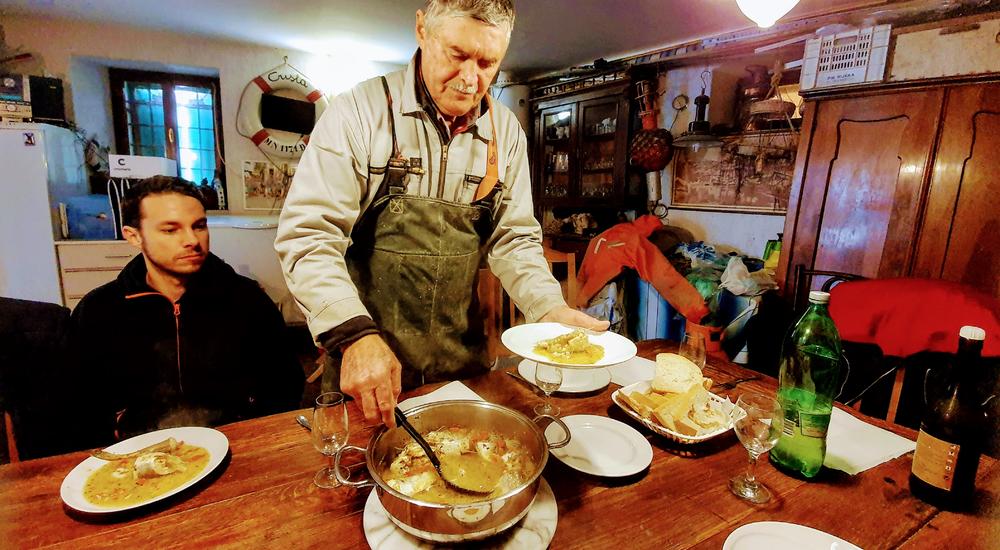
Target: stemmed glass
(329, 434)
(548, 378)
(692, 348)
(757, 420)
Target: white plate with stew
(134, 493)
(522, 340)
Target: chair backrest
(806, 279)
(498, 309)
(34, 341)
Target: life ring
(282, 77)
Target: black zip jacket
(218, 355)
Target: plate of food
(144, 469)
(566, 346)
(676, 403)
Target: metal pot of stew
(421, 504)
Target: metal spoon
(304, 422)
(465, 473)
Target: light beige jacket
(332, 186)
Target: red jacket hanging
(627, 245)
(905, 316)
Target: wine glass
(329, 434)
(548, 378)
(692, 348)
(757, 421)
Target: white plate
(535, 530)
(643, 387)
(213, 441)
(777, 535)
(574, 380)
(601, 446)
(523, 338)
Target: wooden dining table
(263, 495)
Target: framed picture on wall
(751, 172)
(265, 184)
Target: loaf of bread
(675, 374)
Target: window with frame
(176, 116)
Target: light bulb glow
(765, 12)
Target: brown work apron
(415, 262)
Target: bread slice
(640, 403)
(675, 374)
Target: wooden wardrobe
(898, 181)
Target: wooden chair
(805, 280)
(34, 345)
(499, 311)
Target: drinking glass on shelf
(548, 378)
(692, 348)
(757, 421)
(329, 434)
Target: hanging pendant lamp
(699, 134)
(765, 12)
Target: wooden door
(859, 183)
(960, 240)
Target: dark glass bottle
(949, 444)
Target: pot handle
(340, 477)
(561, 424)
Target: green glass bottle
(807, 384)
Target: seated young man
(179, 338)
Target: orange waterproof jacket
(627, 245)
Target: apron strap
(392, 122)
(492, 172)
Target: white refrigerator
(40, 167)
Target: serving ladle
(465, 472)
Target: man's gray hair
(499, 13)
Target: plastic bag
(738, 279)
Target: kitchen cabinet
(86, 265)
(580, 151)
(897, 182)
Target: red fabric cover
(906, 316)
(627, 245)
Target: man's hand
(569, 316)
(370, 373)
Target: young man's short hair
(156, 185)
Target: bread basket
(727, 407)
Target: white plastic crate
(850, 57)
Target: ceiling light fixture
(765, 12)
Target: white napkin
(452, 391)
(854, 446)
(636, 369)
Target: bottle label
(806, 424)
(934, 461)
(813, 425)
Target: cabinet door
(601, 160)
(856, 198)
(960, 240)
(556, 137)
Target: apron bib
(415, 262)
